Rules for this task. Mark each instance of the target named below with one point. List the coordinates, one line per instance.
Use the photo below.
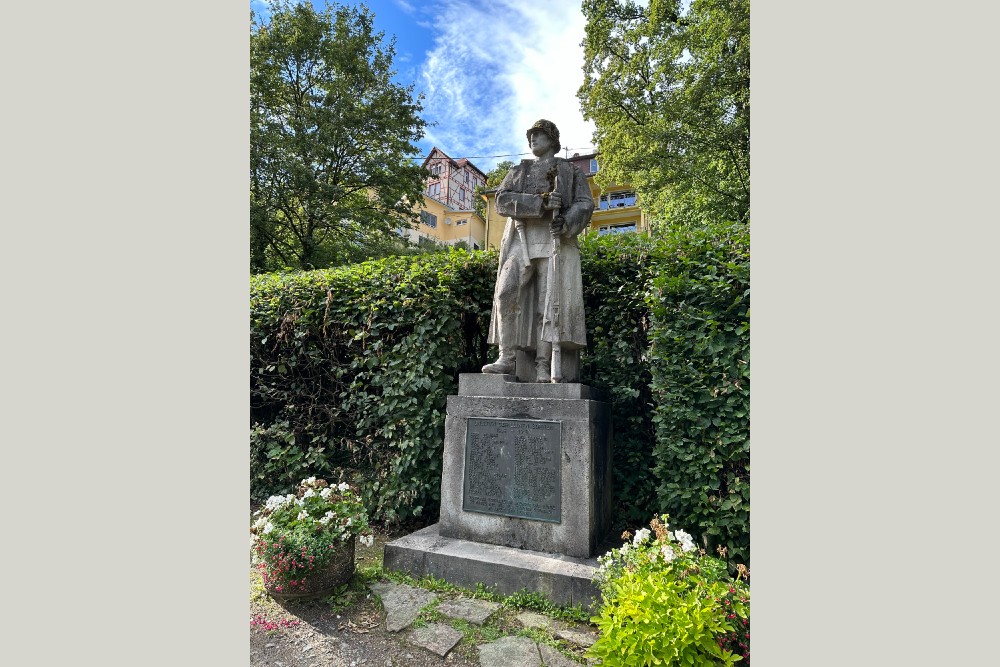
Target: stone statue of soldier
(538, 300)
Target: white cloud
(495, 69)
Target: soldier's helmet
(549, 128)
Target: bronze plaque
(513, 468)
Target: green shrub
(664, 602)
(351, 368)
(616, 269)
(700, 355)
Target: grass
(523, 600)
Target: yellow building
(616, 208)
(448, 214)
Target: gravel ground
(315, 633)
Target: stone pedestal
(527, 469)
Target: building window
(615, 229)
(461, 222)
(617, 200)
(429, 219)
(434, 189)
(466, 177)
(593, 165)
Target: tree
(669, 94)
(329, 135)
(493, 178)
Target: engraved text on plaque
(513, 468)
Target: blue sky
(488, 70)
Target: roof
(458, 164)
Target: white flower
(302, 515)
(343, 486)
(308, 494)
(668, 552)
(624, 549)
(326, 492)
(268, 527)
(640, 536)
(367, 540)
(653, 555)
(309, 481)
(274, 502)
(687, 542)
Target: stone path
(403, 605)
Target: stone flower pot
(322, 580)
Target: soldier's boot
(503, 365)
(543, 371)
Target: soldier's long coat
(515, 200)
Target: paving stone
(510, 652)
(435, 637)
(471, 610)
(402, 603)
(530, 619)
(553, 658)
(578, 637)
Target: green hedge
(350, 370)
(700, 351)
(616, 270)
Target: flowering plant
(297, 533)
(663, 599)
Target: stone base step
(564, 580)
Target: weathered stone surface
(471, 610)
(562, 579)
(402, 603)
(510, 652)
(530, 619)
(435, 637)
(553, 658)
(485, 384)
(584, 477)
(578, 637)
(519, 322)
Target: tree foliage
(669, 93)
(329, 136)
(493, 179)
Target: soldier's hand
(558, 226)
(553, 202)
